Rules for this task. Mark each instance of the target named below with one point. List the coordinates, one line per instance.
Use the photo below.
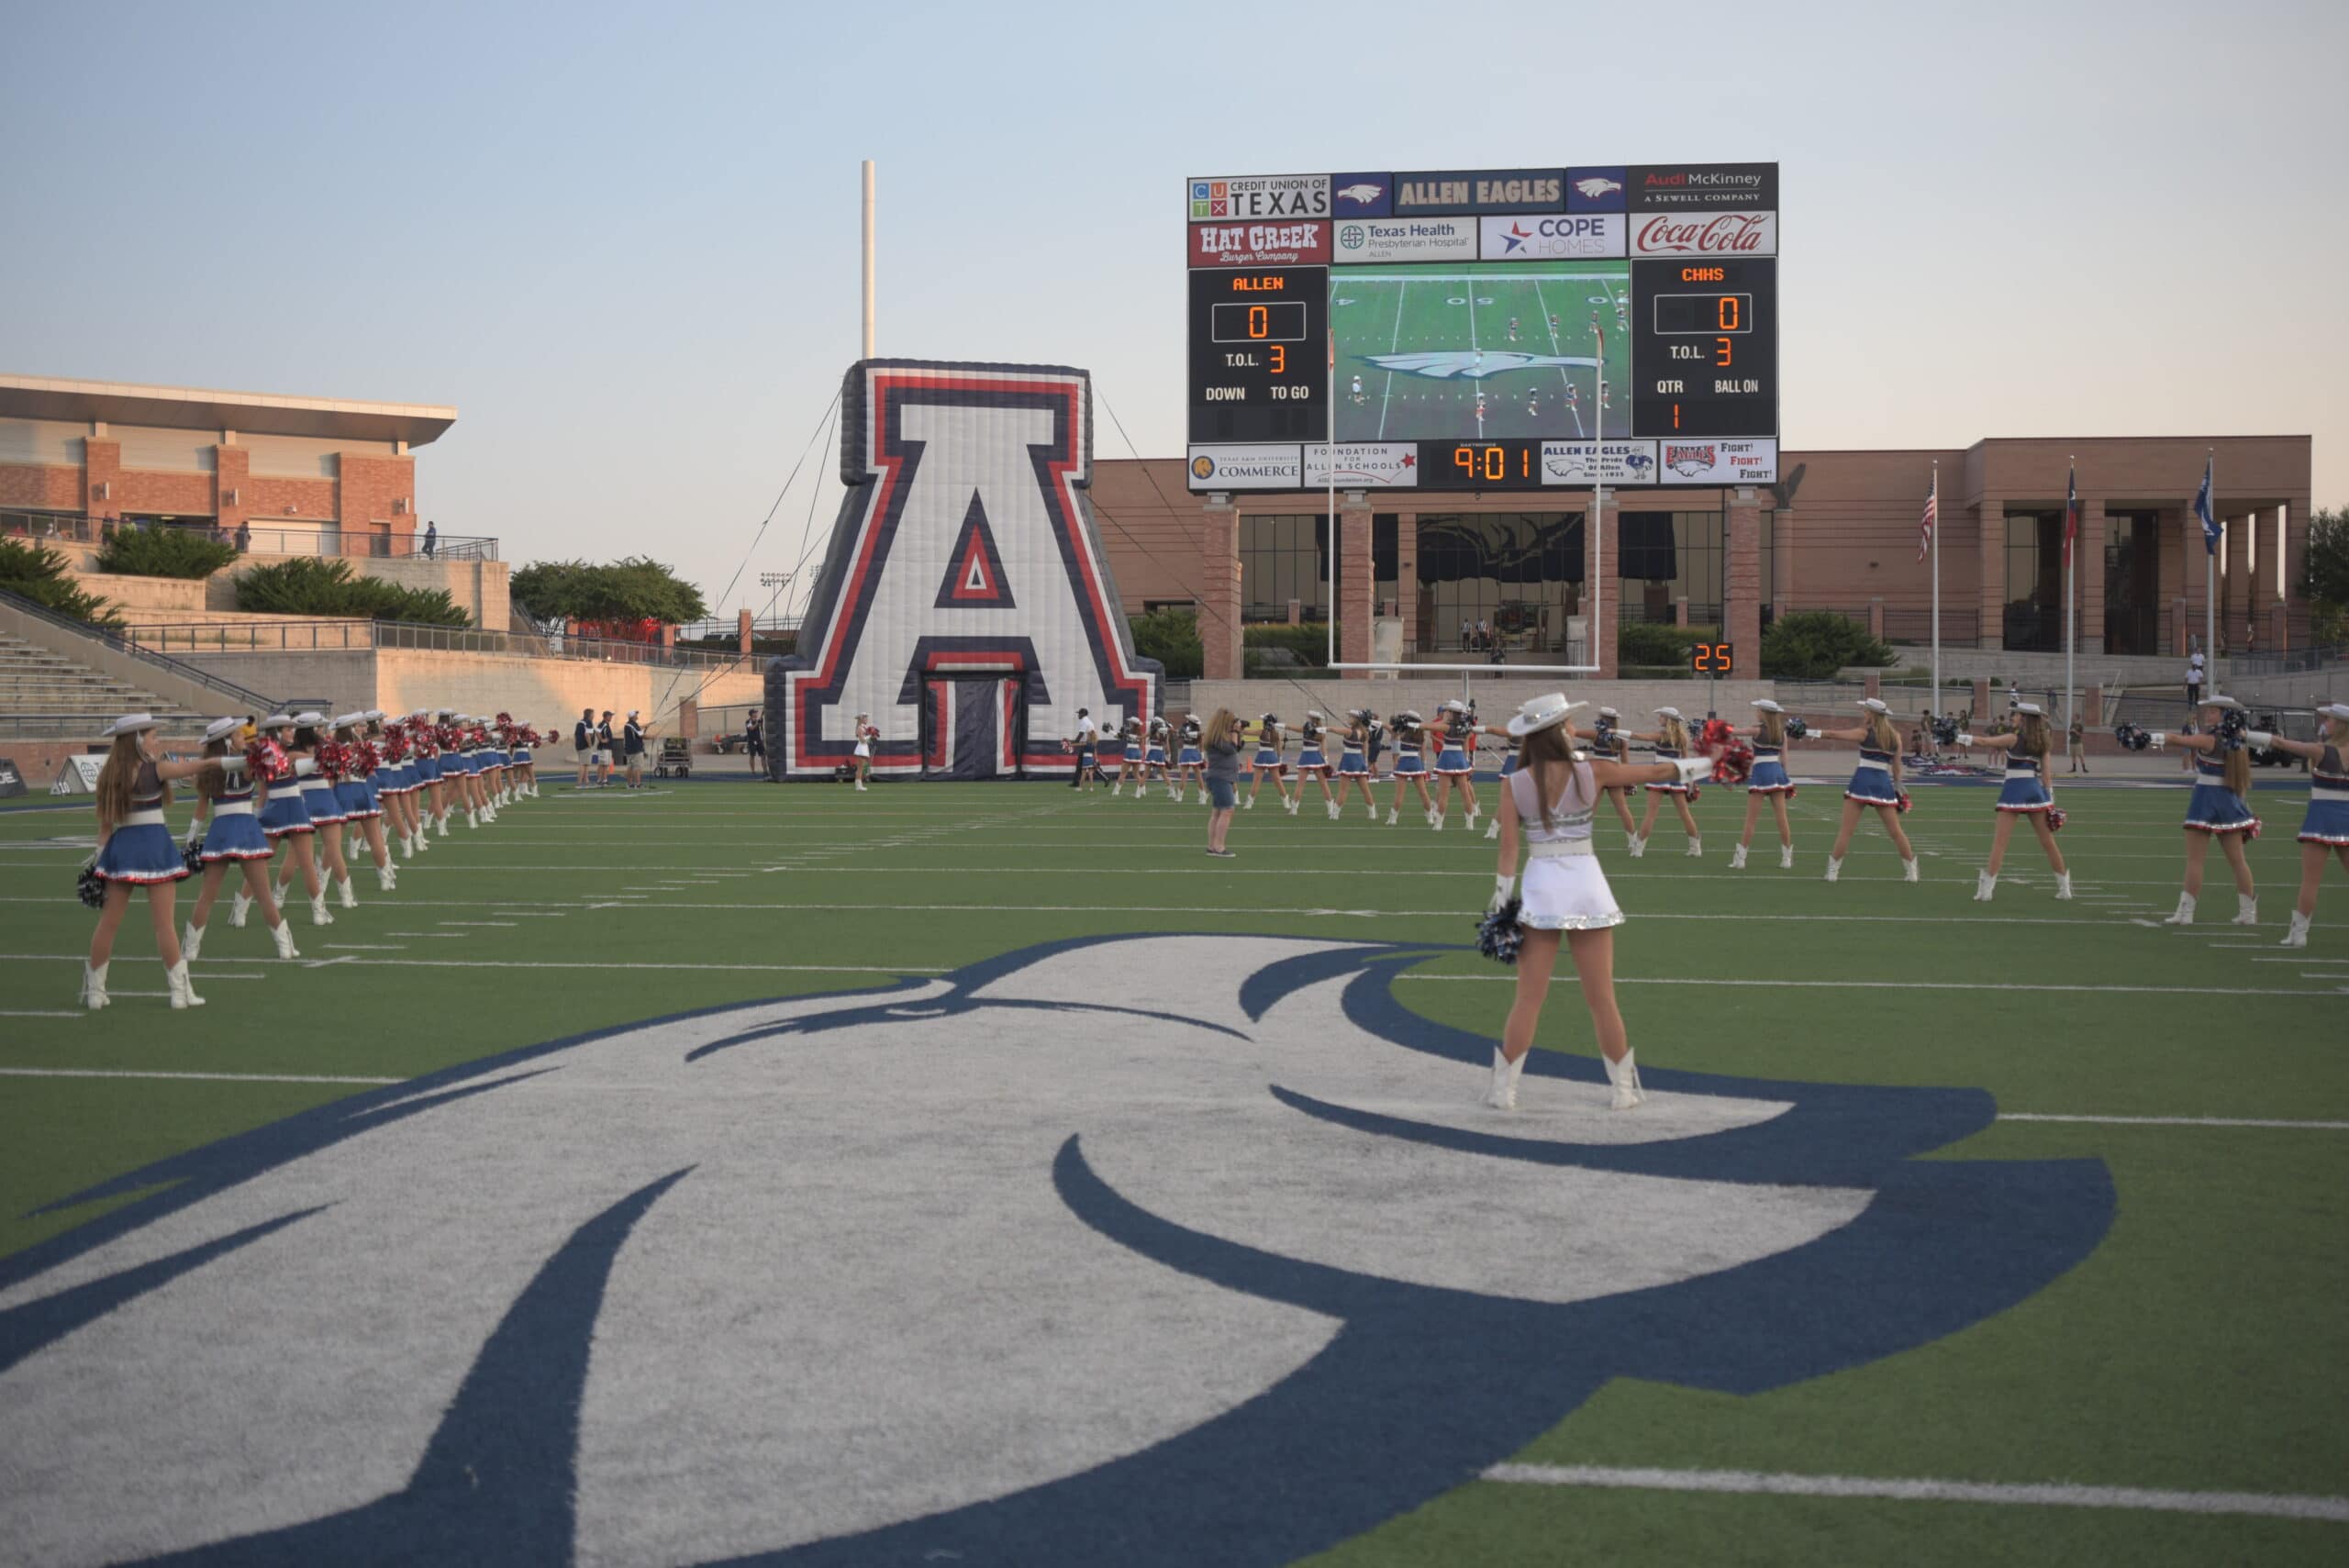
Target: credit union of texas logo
(981, 1268)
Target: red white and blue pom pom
(2054, 820)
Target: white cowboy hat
(220, 726)
(2221, 702)
(348, 720)
(1312, 713)
(2339, 710)
(1543, 712)
(1766, 706)
(373, 713)
(1671, 713)
(1874, 705)
(280, 720)
(131, 724)
(313, 717)
(1452, 704)
(2031, 708)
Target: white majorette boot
(472, 817)
(2063, 884)
(1435, 820)
(282, 934)
(1493, 829)
(1502, 1096)
(1785, 857)
(1393, 814)
(1371, 810)
(1335, 810)
(2184, 916)
(1249, 803)
(1909, 869)
(423, 837)
(1295, 801)
(1834, 867)
(407, 845)
(1983, 885)
(2297, 937)
(190, 938)
(237, 906)
(441, 822)
(344, 896)
(860, 787)
(2246, 909)
(1625, 1076)
(93, 984)
(1695, 849)
(318, 916)
(1637, 846)
(386, 877)
(1472, 821)
(1737, 858)
(183, 990)
(1119, 787)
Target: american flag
(1925, 524)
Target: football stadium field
(981, 1173)
(1429, 348)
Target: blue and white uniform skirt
(1267, 760)
(427, 770)
(1132, 755)
(1769, 776)
(1311, 760)
(356, 799)
(2025, 791)
(1156, 757)
(234, 834)
(1453, 762)
(2327, 819)
(1410, 764)
(284, 815)
(1564, 890)
(318, 799)
(1666, 754)
(1508, 764)
(1190, 757)
(142, 851)
(1352, 763)
(2215, 808)
(520, 757)
(1872, 780)
(497, 759)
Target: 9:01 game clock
(1259, 354)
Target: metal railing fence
(321, 538)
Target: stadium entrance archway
(974, 727)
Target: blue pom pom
(1499, 936)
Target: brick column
(231, 475)
(1601, 545)
(2088, 561)
(2092, 707)
(1741, 579)
(1875, 620)
(742, 631)
(2295, 517)
(102, 468)
(1219, 593)
(1783, 575)
(1990, 602)
(1406, 577)
(1357, 592)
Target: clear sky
(622, 240)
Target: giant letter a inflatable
(964, 608)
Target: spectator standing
(244, 538)
(2076, 744)
(754, 738)
(1221, 742)
(431, 538)
(632, 743)
(1464, 644)
(583, 742)
(605, 742)
(1088, 738)
(2194, 679)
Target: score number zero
(1722, 317)
(1274, 324)
(1716, 659)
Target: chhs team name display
(1485, 330)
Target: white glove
(1964, 739)
(1502, 887)
(232, 762)
(2263, 739)
(1693, 770)
(2159, 740)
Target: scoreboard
(1461, 330)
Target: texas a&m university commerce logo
(963, 606)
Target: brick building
(305, 474)
(1840, 532)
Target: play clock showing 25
(1705, 347)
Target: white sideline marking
(2062, 1494)
(1881, 984)
(2178, 1121)
(36, 1013)
(519, 963)
(367, 947)
(207, 1077)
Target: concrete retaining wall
(1497, 697)
(479, 586)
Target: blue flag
(2202, 510)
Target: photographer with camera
(1219, 744)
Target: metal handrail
(74, 527)
(328, 634)
(245, 696)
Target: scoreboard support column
(1219, 639)
(1356, 592)
(1599, 558)
(1742, 614)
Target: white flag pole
(2071, 579)
(1329, 453)
(1934, 544)
(2211, 575)
(1598, 498)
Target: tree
(37, 573)
(1170, 637)
(2324, 577)
(636, 589)
(1811, 645)
(316, 585)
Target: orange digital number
(1496, 463)
(1260, 321)
(1280, 359)
(1729, 313)
(1712, 658)
(1720, 352)
(1464, 459)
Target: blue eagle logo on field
(1473, 364)
(997, 1268)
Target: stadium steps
(46, 692)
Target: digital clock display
(1259, 371)
(1715, 658)
(1481, 465)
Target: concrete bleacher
(47, 693)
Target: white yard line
(2062, 1494)
(502, 963)
(1394, 342)
(201, 1077)
(2180, 1121)
(1984, 987)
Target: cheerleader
(1670, 741)
(1154, 759)
(1608, 743)
(354, 793)
(494, 791)
(285, 820)
(1353, 761)
(424, 739)
(865, 736)
(2221, 775)
(1551, 796)
(315, 757)
(525, 763)
(230, 838)
(1313, 764)
(1128, 741)
(1875, 782)
(1411, 766)
(134, 850)
(2324, 831)
(474, 757)
(1455, 761)
(1271, 739)
(1189, 759)
(2025, 795)
(397, 790)
(1769, 782)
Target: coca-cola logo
(1716, 234)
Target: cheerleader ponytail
(1882, 737)
(1676, 734)
(115, 777)
(1773, 729)
(2239, 770)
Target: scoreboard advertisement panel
(1494, 330)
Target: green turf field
(2200, 1348)
(1426, 346)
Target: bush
(1659, 645)
(163, 553)
(1170, 637)
(1309, 643)
(37, 573)
(636, 589)
(316, 585)
(1811, 645)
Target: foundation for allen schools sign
(963, 606)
